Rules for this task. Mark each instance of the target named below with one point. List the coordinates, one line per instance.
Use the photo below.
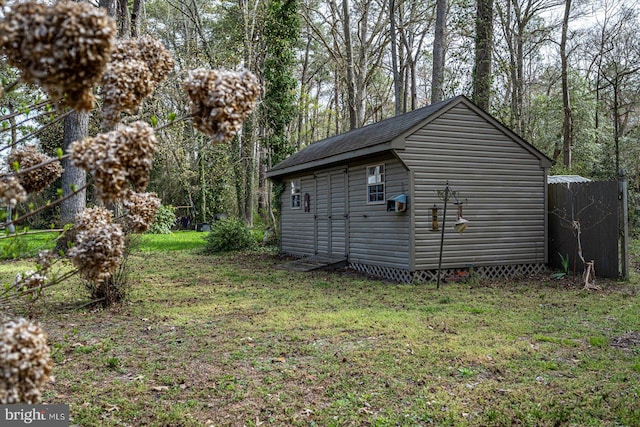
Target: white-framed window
(295, 194)
(375, 184)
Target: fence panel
(593, 206)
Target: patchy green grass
(176, 241)
(232, 340)
(26, 245)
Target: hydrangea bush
(69, 49)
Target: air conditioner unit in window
(397, 203)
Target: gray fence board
(595, 206)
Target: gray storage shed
(370, 196)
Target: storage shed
(373, 196)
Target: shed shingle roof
(368, 136)
(378, 137)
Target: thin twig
(47, 206)
(30, 107)
(172, 122)
(89, 303)
(27, 119)
(39, 131)
(24, 233)
(8, 88)
(6, 298)
(39, 165)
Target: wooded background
(563, 74)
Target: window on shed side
(295, 194)
(375, 184)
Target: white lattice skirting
(484, 272)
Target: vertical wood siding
(375, 235)
(342, 223)
(321, 202)
(331, 219)
(297, 226)
(337, 213)
(502, 186)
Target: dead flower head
(30, 280)
(38, 179)
(25, 362)
(221, 100)
(117, 159)
(63, 47)
(124, 86)
(141, 210)
(99, 244)
(148, 50)
(137, 66)
(11, 192)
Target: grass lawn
(178, 241)
(26, 244)
(233, 341)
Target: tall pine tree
(282, 31)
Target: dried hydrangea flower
(11, 192)
(221, 100)
(38, 179)
(45, 258)
(25, 362)
(124, 86)
(62, 47)
(117, 158)
(91, 216)
(141, 210)
(149, 50)
(136, 68)
(99, 244)
(30, 280)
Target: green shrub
(164, 220)
(227, 235)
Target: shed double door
(331, 214)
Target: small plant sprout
(564, 260)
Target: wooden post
(624, 225)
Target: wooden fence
(590, 211)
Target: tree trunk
(124, 19)
(360, 71)
(303, 111)
(264, 193)
(483, 52)
(351, 83)
(110, 5)
(437, 75)
(136, 18)
(239, 174)
(518, 85)
(616, 122)
(75, 128)
(394, 57)
(203, 187)
(567, 125)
